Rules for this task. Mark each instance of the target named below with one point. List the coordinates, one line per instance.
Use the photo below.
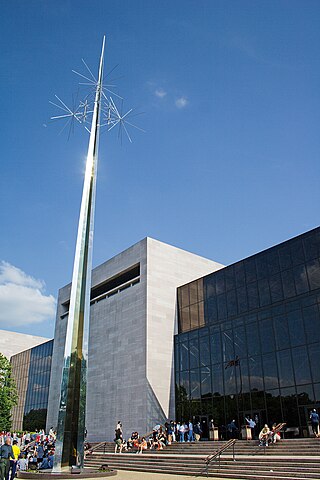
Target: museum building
(248, 341)
(231, 342)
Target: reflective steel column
(71, 420)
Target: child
(22, 463)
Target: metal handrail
(217, 454)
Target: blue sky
(229, 163)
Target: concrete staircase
(289, 459)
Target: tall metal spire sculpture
(71, 418)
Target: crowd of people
(159, 438)
(25, 451)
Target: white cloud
(181, 102)
(159, 92)
(22, 298)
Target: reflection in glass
(194, 384)
(194, 353)
(270, 371)
(301, 365)
(285, 368)
(204, 351)
(206, 389)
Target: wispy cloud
(160, 92)
(181, 102)
(22, 298)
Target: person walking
(6, 453)
(314, 417)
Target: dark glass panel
(222, 307)
(288, 284)
(227, 346)
(184, 319)
(281, 332)
(313, 270)
(305, 395)
(210, 310)
(250, 269)
(255, 371)
(312, 323)
(311, 299)
(270, 371)
(229, 278)
(239, 274)
(267, 336)
(184, 385)
(311, 245)
(253, 295)
(258, 403)
(289, 407)
(273, 262)
(184, 356)
(230, 378)
(216, 350)
(297, 253)
(220, 283)
(210, 286)
(206, 388)
(285, 368)
(264, 293)
(201, 314)
(195, 409)
(243, 376)
(203, 332)
(184, 296)
(194, 353)
(296, 328)
(193, 292)
(231, 409)
(194, 316)
(240, 347)
(316, 388)
(217, 379)
(273, 403)
(314, 355)
(276, 288)
(232, 303)
(261, 264)
(204, 351)
(195, 384)
(301, 365)
(284, 257)
(218, 411)
(253, 341)
(242, 299)
(176, 356)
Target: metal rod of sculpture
(71, 419)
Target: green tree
(8, 393)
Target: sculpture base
(48, 475)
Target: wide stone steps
(228, 468)
(242, 447)
(289, 459)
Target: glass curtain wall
(249, 339)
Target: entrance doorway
(304, 413)
(259, 416)
(204, 425)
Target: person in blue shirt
(190, 431)
(314, 417)
(6, 453)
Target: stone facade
(130, 366)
